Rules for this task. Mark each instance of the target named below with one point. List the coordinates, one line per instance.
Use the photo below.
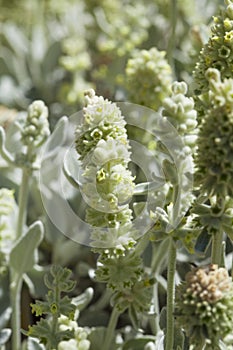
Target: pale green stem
(111, 329)
(172, 41)
(15, 293)
(17, 280)
(22, 202)
(170, 294)
(216, 251)
(159, 255)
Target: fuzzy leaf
(84, 299)
(23, 256)
(203, 242)
(71, 168)
(3, 151)
(57, 138)
(146, 187)
(33, 344)
(4, 336)
(138, 343)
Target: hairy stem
(22, 202)
(170, 294)
(111, 328)
(16, 279)
(15, 294)
(159, 255)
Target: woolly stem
(15, 294)
(16, 279)
(159, 255)
(22, 202)
(170, 294)
(111, 329)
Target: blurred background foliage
(54, 50)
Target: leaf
(133, 317)
(57, 138)
(5, 308)
(33, 344)
(23, 255)
(163, 318)
(203, 241)
(51, 58)
(138, 207)
(146, 187)
(84, 299)
(97, 337)
(71, 168)
(178, 339)
(3, 151)
(170, 171)
(138, 343)
(4, 336)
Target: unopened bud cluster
(36, 128)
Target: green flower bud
(205, 306)
(149, 77)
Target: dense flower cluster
(149, 77)
(119, 34)
(218, 52)
(205, 305)
(76, 60)
(79, 342)
(215, 139)
(103, 147)
(36, 128)
(104, 151)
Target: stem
(159, 255)
(22, 202)
(216, 253)
(172, 41)
(15, 290)
(170, 294)
(111, 328)
(16, 279)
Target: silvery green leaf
(203, 242)
(72, 168)
(138, 207)
(84, 299)
(4, 336)
(146, 187)
(57, 138)
(23, 255)
(51, 57)
(3, 151)
(33, 344)
(139, 343)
